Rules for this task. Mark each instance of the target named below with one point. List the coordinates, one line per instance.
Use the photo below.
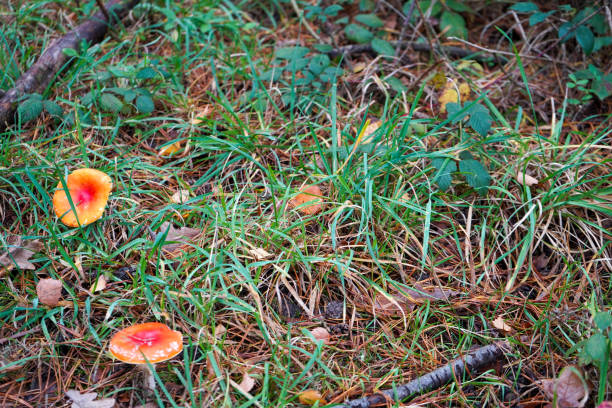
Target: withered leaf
(18, 252)
(310, 397)
(247, 383)
(177, 237)
(49, 291)
(88, 400)
(570, 388)
(408, 298)
(320, 333)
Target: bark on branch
(472, 362)
(53, 59)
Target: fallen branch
(473, 361)
(53, 59)
(456, 52)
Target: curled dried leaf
(320, 333)
(49, 291)
(180, 196)
(177, 238)
(88, 400)
(570, 390)
(170, 149)
(309, 200)
(247, 383)
(311, 397)
(18, 252)
(525, 179)
(501, 325)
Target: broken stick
(53, 59)
(473, 361)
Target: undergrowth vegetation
(462, 150)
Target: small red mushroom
(309, 201)
(153, 342)
(89, 190)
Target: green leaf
(30, 109)
(564, 31)
(332, 10)
(291, 52)
(453, 25)
(357, 33)
(601, 42)
(147, 73)
(273, 74)
(436, 9)
(318, 63)
(603, 320)
(453, 109)
(323, 47)
(585, 38)
(396, 84)
(538, 17)
(110, 102)
(145, 104)
(382, 47)
(458, 6)
(330, 74)
(597, 347)
(370, 20)
(602, 87)
(297, 64)
(480, 119)
(476, 175)
(53, 108)
(525, 7)
(446, 167)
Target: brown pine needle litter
(355, 203)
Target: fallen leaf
(388, 304)
(358, 67)
(88, 400)
(570, 389)
(170, 149)
(100, 285)
(204, 113)
(371, 128)
(259, 253)
(501, 325)
(180, 196)
(320, 333)
(310, 397)
(450, 94)
(18, 252)
(525, 179)
(308, 201)
(49, 291)
(247, 383)
(177, 237)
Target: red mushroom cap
(89, 190)
(155, 341)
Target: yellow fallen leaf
(358, 67)
(449, 94)
(170, 149)
(100, 285)
(311, 397)
(525, 179)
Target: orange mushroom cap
(89, 190)
(309, 200)
(155, 341)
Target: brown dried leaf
(49, 291)
(570, 388)
(308, 201)
(180, 196)
(88, 400)
(100, 285)
(259, 253)
(320, 333)
(501, 325)
(525, 179)
(19, 252)
(177, 237)
(388, 304)
(247, 383)
(310, 397)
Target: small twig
(472, 362)
(104, 10)
(302, 19)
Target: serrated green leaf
(110, 102)
(357, 33)
(147, 73)
(29, 109)
(382, 47)
(370, 20)
(597, 347)
(458, 6)
(475, 174)
(480, 119)
(602, 87)
(585, 38)
(538, 17)
(525, 7)
(453, 25)
(453, 109)
(601, 42)
(318, 63)
(564, 31)
(436, 8)
(53, 108)
(120, 71)
(291, 52)
(603, 320)
(332, 10)
(446, 167)
(145, 104)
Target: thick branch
(472, 362)
(53, 59)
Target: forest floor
(443, 227)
